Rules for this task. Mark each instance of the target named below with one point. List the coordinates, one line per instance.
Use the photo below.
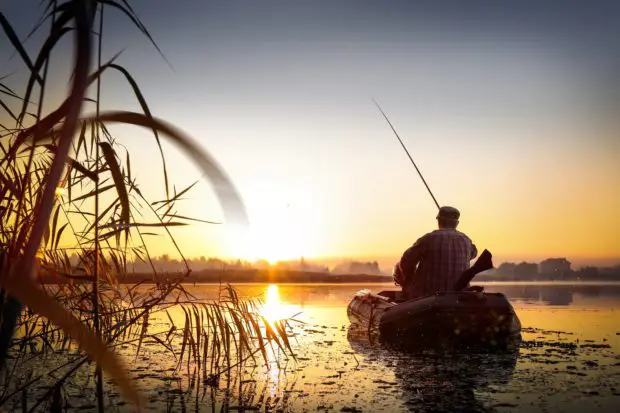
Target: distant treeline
(249, 276)
(286, 276)
(572, 276)
(551, 269)
(359, 272)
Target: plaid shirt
(441, 257)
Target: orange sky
(545, 207)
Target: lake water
(568, 360)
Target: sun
(278, 231)
(270, 239)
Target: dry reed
(64, 181)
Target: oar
(483, 263)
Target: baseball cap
(448, 212)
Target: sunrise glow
(282, 226)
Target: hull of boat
(451, 319)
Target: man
(437, 259)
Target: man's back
(442, 256)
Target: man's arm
(411, 257)
(399, 279)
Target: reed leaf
(94, 192)
(192, 219)
(9, 111)
(281, 329)
(17, 44)
(38, 301)
(186, 333)
(58, 235)
(75, 164)
(147, 112)
(117, 176)
(55, 221)
(58, 31)
(233, 206)
(176, 197)
(134, 18)
(145, 322)
(144, 224)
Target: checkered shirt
(440, 256)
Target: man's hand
(475, 288)
(398, 275)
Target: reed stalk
(98, 371)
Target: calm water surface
(569, 359)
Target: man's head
(448, 217)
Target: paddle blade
(483, 263)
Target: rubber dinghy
(469, 318)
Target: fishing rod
(406, 151)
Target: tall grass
(66, 188)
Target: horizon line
(334, 259)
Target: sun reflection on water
(274, 309)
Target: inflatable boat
(465, 317)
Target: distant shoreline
(255, 276)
